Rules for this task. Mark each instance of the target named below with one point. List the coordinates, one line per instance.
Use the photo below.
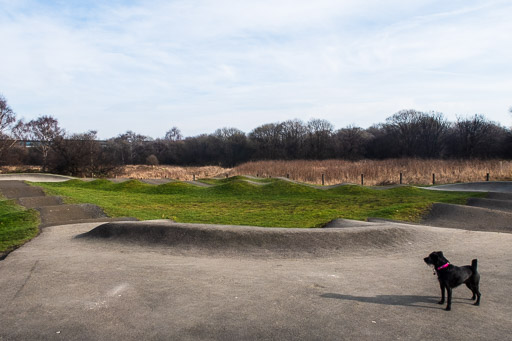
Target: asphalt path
(167, 281)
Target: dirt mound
(250, 240)
(468, 218)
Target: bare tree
(10, 130)
(80, 155)
(432, 129)
(318, 138)
(128, 148)
(44, 131)
(173, 135)
(351, 142)
(267, 141)
(403, 127)
(476, 137)
(293, 138)
(7, 116)
(234, 146)
(417, 133)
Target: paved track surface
(42, 177)
(493, 213)
(162, 280)
(483, 186)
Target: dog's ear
(440, 253)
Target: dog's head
(436, 259)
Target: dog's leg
(449, 304)
(442, 294)
(472, 288)
(473, 285)
(477, 291)
(476, 287)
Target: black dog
(451, 276)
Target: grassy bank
(240, 201)
(17, 225)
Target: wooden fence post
(194, 177)
(487, 178)
(400, 178)
(362, 179)
(433, 178)
(323, 179)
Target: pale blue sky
(147, 66)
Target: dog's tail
(474, 264)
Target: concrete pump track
(89, 277)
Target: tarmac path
(166, 281)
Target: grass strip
(239, 201)
(17, 226)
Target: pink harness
(443, 266)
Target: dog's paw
(440, 302)
(448, 308)
(476, 303)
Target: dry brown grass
(171, 172)
(19, 169)
(382, 172)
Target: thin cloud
(202, 65)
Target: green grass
(17, 225)
(235, 201)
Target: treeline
(408, 133)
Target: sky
(199, 65)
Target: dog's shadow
(397, 300)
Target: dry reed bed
(19, 169)
(384, 172)
(170, 172)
